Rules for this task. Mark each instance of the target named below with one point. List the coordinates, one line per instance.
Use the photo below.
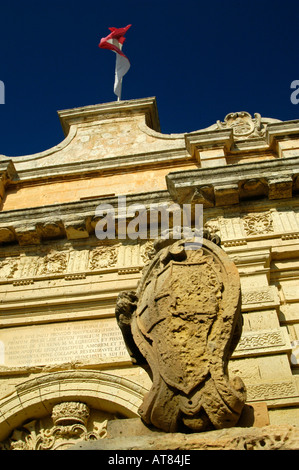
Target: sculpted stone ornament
(182, 325)
(243, 125)
(70, 427)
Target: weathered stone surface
(280, 437)
(255, 415)
(184, 322)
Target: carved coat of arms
(243, 125)
(183, 322)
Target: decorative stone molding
(28, 235)
(257, 343)
(290, 236)
(29, 263)
(230, 243)
(258, 340)
(278, 130)
(52, 263)
(185, 187)
(261, 298)
(8, 267)
(238, 132)
(103, 257)
(271, 391)
(254, 223)
(44, 225)
(232, 184)
(258, 223)
(243, 125)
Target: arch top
(35, 398)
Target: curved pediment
(104, 131)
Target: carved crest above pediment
(243, 125)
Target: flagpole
(121, 80)
(121, 84)
(118, 58)
(120, 90)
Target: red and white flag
(114, 41)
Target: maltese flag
(114, 41)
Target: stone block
(129, 427)
(291, 291)
(203, 195)
(255, 414)
(211, 158)
(280, 188)
(76, 229)
(226, 194)
(213, 162)
(28, 235)
(289, 312)
(7, 235)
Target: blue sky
(200, 59)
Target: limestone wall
(59, 340)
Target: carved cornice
(209, 139)
(115, 165)
(260, 135)
(228, 185)
(73, 221)
(279, 130)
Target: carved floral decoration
(53, 262)
(70, 426)
(258, 224)
(103, 257)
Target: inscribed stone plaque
(91, 341)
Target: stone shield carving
(183, 323)
(243, 125)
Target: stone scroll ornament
(182, 325)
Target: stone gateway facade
(67, 379)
